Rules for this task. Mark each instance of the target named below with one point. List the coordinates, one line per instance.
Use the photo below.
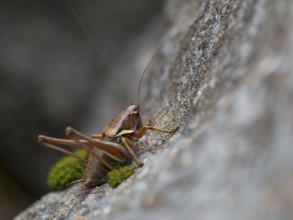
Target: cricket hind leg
(50, 143)
(95, 172)
(114, 150)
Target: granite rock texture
(225, 77)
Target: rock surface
(225, 77)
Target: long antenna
(145, 70)
(100, 52)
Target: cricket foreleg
(129, 146)
(97, 136)
(141, 132)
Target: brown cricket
(115, 144)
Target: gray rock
(225, 76)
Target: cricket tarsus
(115, 144)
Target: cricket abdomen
(96, 173)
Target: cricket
(115, 144)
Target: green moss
(69, 169)
(117, 176)
(66, 170)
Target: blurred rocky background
(52, 77)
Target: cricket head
(126, 122)
(131, 121)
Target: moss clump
(66, 170)
(118, 175)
